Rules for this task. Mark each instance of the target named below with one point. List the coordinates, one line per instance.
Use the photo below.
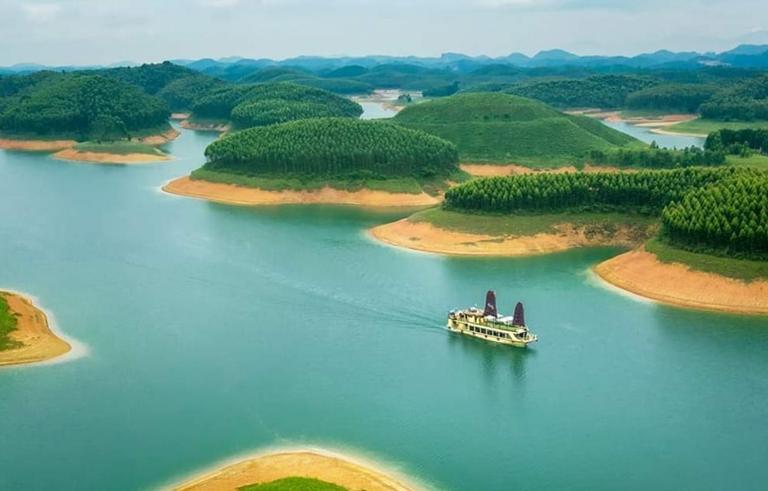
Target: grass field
(706, 126)
(118, 148)
(755, 160)
(742, 269)
(529, 224)
(294, 484)
(499, 128)
(408, 185)
(7, 324)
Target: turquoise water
(214, 331)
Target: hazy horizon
(63, 32)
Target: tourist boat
(489, 325)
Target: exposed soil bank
(491, 170)
(39, 343)
(109, 158)
(640, 272)
(196, 126)
(423, 236)
(239, 195)
(36, 145)
(161, 139)
(180, 116)
(309, 464)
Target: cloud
(41, 12)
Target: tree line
(738, 142)
(332, 147)
(237, 102)
(657, 158)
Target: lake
(646, 135)
(214, 331)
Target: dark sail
(519, 317)
(490, 304)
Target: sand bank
(39, 343)
(667, 131)
(36, 145)
(240, 195)
(649, 121)
(640, 272)
(180, 116)
(110, 158)
(425, 237)
(310, 464)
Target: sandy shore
(425, 237)
(109, 158)
(32, 330)
(36, 145)
(640, 272)
(667, 131)
(180, 116)
(239, 195)
(311, 464)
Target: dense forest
(656, 158)
(738, 142)
(729, 217)
(745, 101)
(603, 91)
(83, 106)
(723, 210)
(645, 191)
(671, 97)
(240, 103)
(333, 147)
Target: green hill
(343, 153)
(261, 104)
(501, 128)
(83, 107)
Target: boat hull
(465, 329)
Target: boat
(489, 325)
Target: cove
(216, 330)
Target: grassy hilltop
(501, 128)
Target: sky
(83, 32)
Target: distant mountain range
(743, 56)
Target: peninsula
(324, 160)
(708, 224)
(25, 336)
(84, 117)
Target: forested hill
(81, 106)
(333, 147)
(501, 128)
(263, 104)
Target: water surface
(646, 135)
(217, 330)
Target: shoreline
(40, 342)
(641, 273)
(74, 155)
(425, 237)
(239, 195)
(36, 145)
(332, 467)
(222, 127)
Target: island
(84, 117)
(698, 235)
(497, 129)
(25, 336)
(324, 160)
(310, 470)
